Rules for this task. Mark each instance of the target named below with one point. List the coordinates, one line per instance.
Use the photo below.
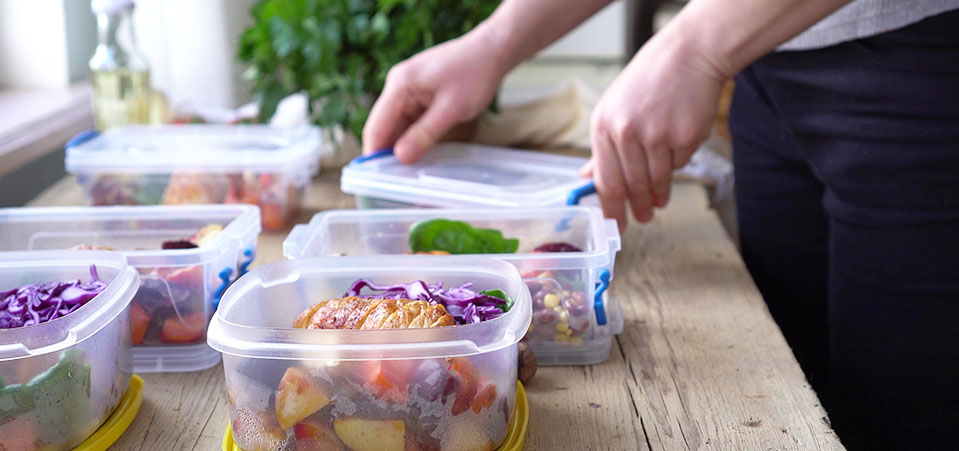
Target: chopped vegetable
(557, 247)
(41, 302)
(465, 305)
(457, 237)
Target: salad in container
(372, 353)
(467, 175)
(565, 254)
(186, 257)
(64, 345)
(199, 164)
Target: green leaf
(284, 37)
(269, 99)
(457, 237)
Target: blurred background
(221, 60)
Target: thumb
(439, 117)
(586, 171)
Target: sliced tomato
(485, 396)
(139, 321)
(190, 275)
(273, 216)
(189, 330)
(464, 373)
(387, 380)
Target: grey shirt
(864, 18)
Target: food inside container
(372, 354)
(565, 255)
(465, 175)
(199, 164)
(63, 369)
(185, 255)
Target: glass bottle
(120, 76)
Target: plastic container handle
(225, 276)
(601, 287)
(579, 193)
(378, 154)
(81, 138)
(249, 254)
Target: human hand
(428, 94)
(649, 122)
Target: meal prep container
(198, 164)
(466, 175)
(394, 386)
(574, 319)
(60, 380)
(179, 287)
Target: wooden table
(700, 363)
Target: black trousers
(847, 174)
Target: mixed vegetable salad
(277, 198)
(401, 405)
(561, 309)
(170, 308)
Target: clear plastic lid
(195, 148)
(467, 175)
(23, 268)
(256, 314)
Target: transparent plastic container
(179, 288)
(60, 380)
(467, 175)
(574, 319)
(448, 388)
(199, 164)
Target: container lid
(146, 149)
(46, 228)
(110, 6)
(21, 268)
(467, 175)
(255, 317)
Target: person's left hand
(649, 122)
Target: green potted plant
(339, 51)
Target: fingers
(440, 116)
(635, 172)
(610, 184)
(386, 120)
(660, 174)
(586, 171)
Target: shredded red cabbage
(41, 302)
(465, 305)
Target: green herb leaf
(457, 237)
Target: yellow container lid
(118, 423)
(515, 435)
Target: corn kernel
(562, 327)
(576, 341)
(558, 310)
(551, 300)
(561, 338)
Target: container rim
(604, 233)
(356, 180)
(303, 152)
(390, 344)
(85, 321)
(245, 222)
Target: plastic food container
(199, 164)
(574, 319)
(63, 378)
(448, 388)
(179, 288)
(466, 175)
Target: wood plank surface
(700, 363)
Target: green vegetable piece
(500, 294)
(60, 396)
(457, 237)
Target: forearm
(730, 34)
(520, 28)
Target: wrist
(492, 43)
(707, 44)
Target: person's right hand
(428, 94)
